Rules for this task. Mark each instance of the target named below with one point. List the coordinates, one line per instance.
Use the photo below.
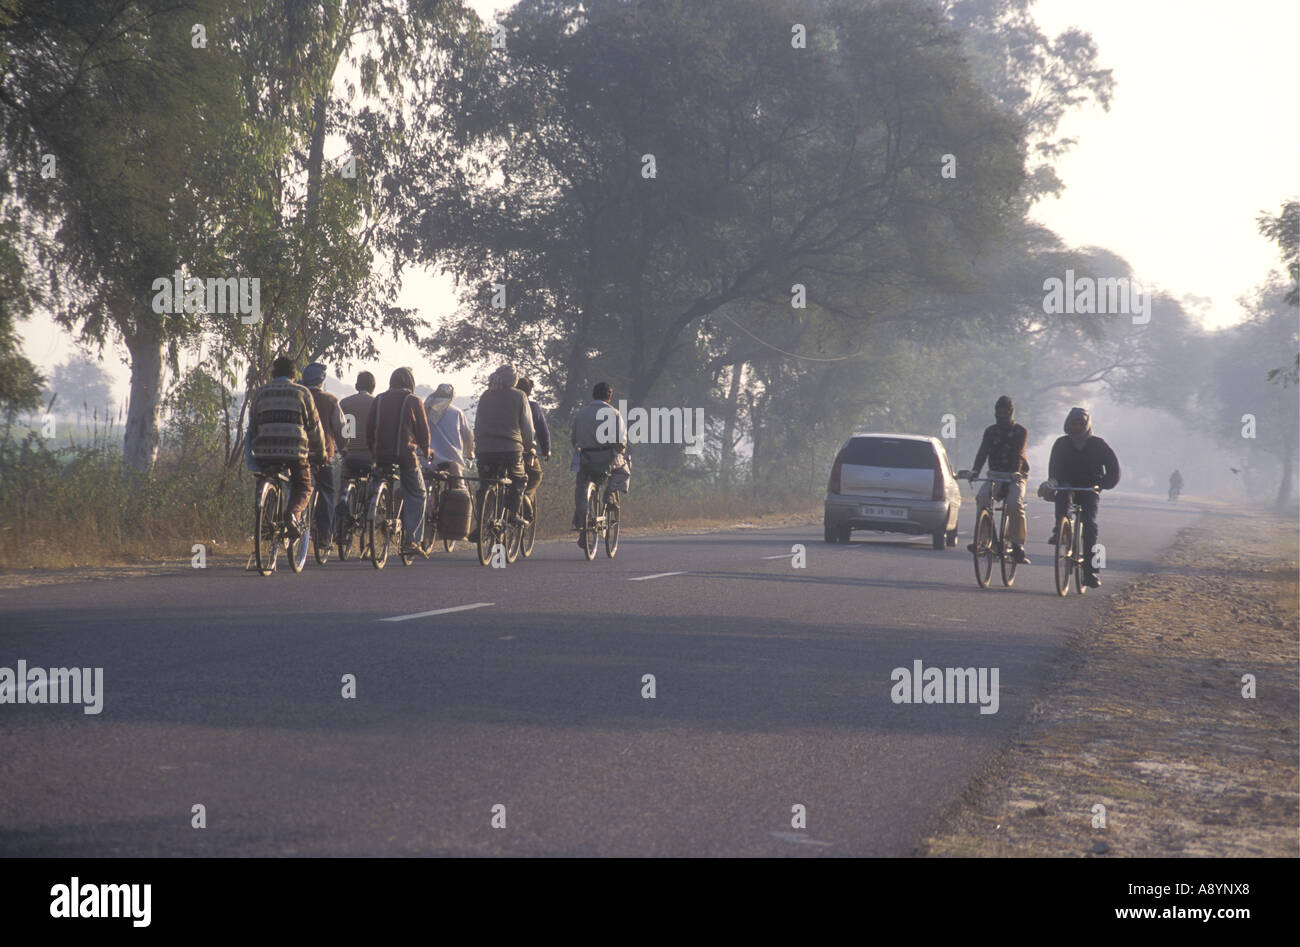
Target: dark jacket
(1094, 465)
(1004, 449)
(541, 433)
(412, 431)
(331, 419)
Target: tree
(81, 381)
(642, 170)
(1284, 230)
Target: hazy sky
(1201, 136)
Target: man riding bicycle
(1003, 447)
(542, 434)
(331, 418)
(1175, 485)
(1080, 459)
(398, 433)
(599, 434)
(450, 437)
(503, 432)
(284, 428)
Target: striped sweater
(282, 423)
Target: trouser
(534, 468)
(1088, 515)
(356, 466)
(413, 497)
(1016, 526)
(327, 484)
(299, 487)
(594, 469)
(502, 464)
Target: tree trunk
(1285, 490)
(727, 457)
(144, 410)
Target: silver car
(897, 483)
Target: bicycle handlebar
(1075, 489)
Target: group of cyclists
(302, 427)
(1080, 465)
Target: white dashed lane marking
(439, 611)
(657, 575)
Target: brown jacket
(412, 434)
(331, 419)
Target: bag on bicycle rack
(620, 475)
(454, 514)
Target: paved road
(772, 689)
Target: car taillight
(938, 481)
(834, 485)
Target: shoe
(411, 549)
(294, 528)
(581, 545)
(517, 520)
(1051, 540)
(473, 536)
(970, 547)
(1018, 556)
(1091, 581)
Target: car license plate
(885, 512)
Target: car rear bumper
(922, 516)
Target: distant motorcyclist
(1175, 485)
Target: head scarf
(504, 377)
(402, 378)
(436, 405)
(313, 376)
(1004, 404)
(1080, 439)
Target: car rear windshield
(888, 452)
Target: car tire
(940, 540)
(952, 537)
(845, 535)
(829, 533)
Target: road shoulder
(1142, 742)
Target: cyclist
(1175, 485)
(398, 433)
(356, 452)
(450, 437)
(503, 432)
(542, 434)
(598, 434)
(1003, 447)
(1081, 459)
(331, 417)
(283, 428)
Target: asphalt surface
(772, 689)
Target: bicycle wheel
(589, 530)
(347, 522)
(1062, 563)
(983, 553)
(611, 525)
(488, 514)
(1008, 561)
(1079, 587)
(400, 539)
(266, 527)
(432, 500)
(320, 543)
(514, 540)
(298, 547)
(378, 522)
(529, 533)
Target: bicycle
(988, 542)
(494, 524)
(384, 515)
(528, 532)
(353, 506)
(1069, 557)
(436, 481)
(270, 522)
(603, 524)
